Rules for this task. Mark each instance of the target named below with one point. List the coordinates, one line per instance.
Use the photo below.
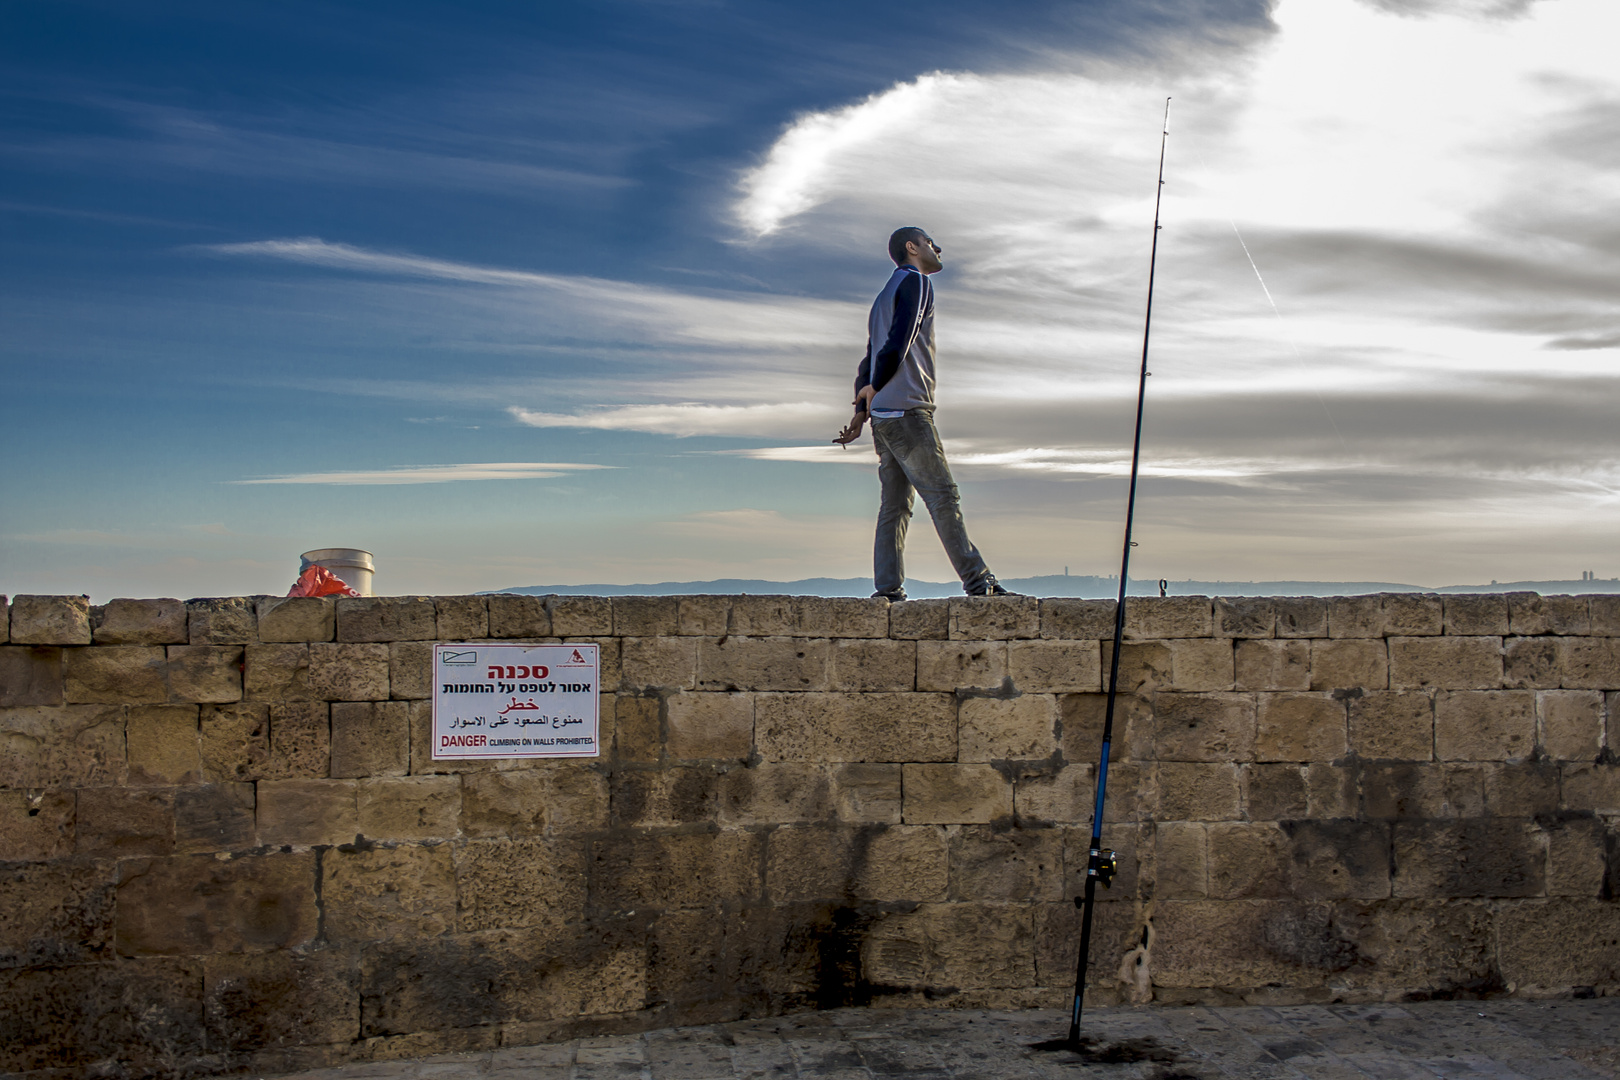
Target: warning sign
(510, 701)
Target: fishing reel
(1104, 864)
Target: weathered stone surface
(855, 727)
(656, 663)
(343, 672)
(865, 793)
(1522, 790)
(960, 665)
(672, 871)
(1273, 792)
(162, 744)
(56, 913)
(989, 864)
(116, 675)
(1571, 723)
(703, 616)
(1201, 664)
(874, 664)
(234, 741)
(1197, 791)
(772, 793)
(1273, 665)
(1412, 614)
(1204, 727)
(946, 794)
(655, 798)
(410, 670)
(205, 673)
(1530, 613)
(711, 726)
(409, 808)
(1393, 724)
(1589, 663)
(461, 618)
(297, 618)
(1330, 791)
(139, 622)
(386, 618)
(195, 904)
(1180, 861)
(1301, 616)
(1083, 716)
(46, 746)
(963, 946)
(518, 883)
(1071, 618)
(646, 616)
(71, 1021)
(1576, 857)
(1258, 943)
(1560, 944)
(1245, 616)
(996, 729)
(1055, 667)
(1247, 860)
(741, 663)
(1530, 664)
(1476, 615)
(124, 822)
(1490, 857)
(370, 739)
(307, 813)
(30, 675)
(1355, 663)
(533, 801)
(39, 825)
(580, 616)
(50, 620)
(638, 730)
(920, 620)
(230, 620)
(1157, 617)
(809, 616)
(1591, 788)
(1143, 666)
(276, 672)
(1408, 791)
(514, 616)
(994, 618)
(609, 660)
(255, 1000)
(214, 817)
(1605, 614)
(1355, 617)
(383, 893)
(1333, 860)
(1061, 797)
(1449, 663)
(1300, 727)
(1484, 725)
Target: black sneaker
(991, 587)
(895, 596)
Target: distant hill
(1057, 585)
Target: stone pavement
(1501, 1040)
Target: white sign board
(515, 701)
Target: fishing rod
(1101, 863)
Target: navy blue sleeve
(908, 300)
(863, 374)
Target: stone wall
(225, 844)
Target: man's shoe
(893, 596)
(991, 587)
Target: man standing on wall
(895, 386)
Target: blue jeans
(910, 459)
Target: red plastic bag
(319, 581)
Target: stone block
(124, 822)
(398, 808)
(814, 863)
(162, 744)
(646, 616)
(234, 741)
(370, 738)
(637, 729)
(205, 673)
(711, 726)
(1333, 860)
(918, 620)
(504, 804)
(764, 663)
(1589, 663)
(657, 798)
(580, 616)
(863, 793)
(995, 729)
(1412, 614)
(461, 618)
(809, 616)
(1571, 723)
(1197, 791)
(609, 660)
(955, 946)
(519, 883)
(307, 813)
(1063, 797)
(348, 672)
(140, 622)
(659, 663)
(773, 793)
(230, 620)
(211, 818)
(1392, 724)
(39, 825)
(1556, 944)
(1411, 790)
(116, 675)
(1576, 857)
(297, 618)
(281, 999)
(1355, 663)
(1330, 791)
(1301, 616)
(1355, 616)
(703, 616)
(1300, 727)
(1273, 792)
(197, 904)
(30, 675)
(988, 864)
(410, 670)
(961, 665)
(1143, 666)
(1523, 789)
(1476, 615)
(1591, 789)
(872, 664)
(45, 746)
(386, 618)
(1486, 858)
(1530, 613)
(576, 798)
(516, 616)
(276, 672)
(1245, 616)
(385, 893)
(1055, 666)
(50, 620)
(1530, 663)
(1247, 860)
(1605, 614)
(1072, 619)
(1158, 617)
(1083, 716)
(674, 870)
(56, 913)
(1197, 664)
(1484, 725)
(994, 618)
(855, 727)
(950, 794)
(1272, 665)
(1285, 943)
(1204, 727)
(1180, 861)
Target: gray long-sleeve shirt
(899, 361)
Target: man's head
(912, 246)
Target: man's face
(925, 254)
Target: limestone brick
(124, 823)
(348, 672)
(809, 616)
(140, 622)
(504, 804)
(576, 798)
(659, 663)
(774, 793)
(1571, 724)
(711, 726)
(517, 616)
(302, 999)
(1576, 857)
(196, 904)
(1301, 616)
(1476, 615)
(35, 826)
(1272, 665)
(1605, 614)
(1484, 725)
(764, 663)
(1338, 859)
(386, 618)
(1180, 861)
(637, 728)
(671, 871)
(1392, 724)
(1143, 666)
(657, 798)
(1245, 616)
(1520, 789)
(1072, 619)
(1559, 944)
(703, 616)
(30, 675)
(994, 618)
(276, 672)
(397, 808)
(874, 664)
(1589, 663)
(1130, 796)
(307, 813)
(1197, 791)
(1247, 860)
(234, 741)
(229, 620)
(646, 616)
(1300, 727)
(996, 729)
(1197, 664)
(50, 620)
(964, 946)
(45, 746)
(1530, 663)
(162, 744)
(855, 727)
(1591, 789)
(370, 739)
(1083, 716)
(1486, 858)
(1204, 727)
(1055, 667)
(207, 674)
(1206, 943)
(580, 616)
(1158, 617)
(1355, 616)
(460, 618)
(297, 618)
(989, 864)
(116, 675)
(1412, 614)
(1330, 791)
(56, 913)
(518, 883)
(812, 863)
(609, 659)
(949, 794)
(867, 793)
(1530, 613)
(1061, 797)
(1273, 792)
(211, 818)
(410, 670)
(1352, 663)
(961, 665)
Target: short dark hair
(897, 242)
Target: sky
(519, 294)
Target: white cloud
(433, 474)
(691, 418)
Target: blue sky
(520, 294)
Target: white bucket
(352, 566)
